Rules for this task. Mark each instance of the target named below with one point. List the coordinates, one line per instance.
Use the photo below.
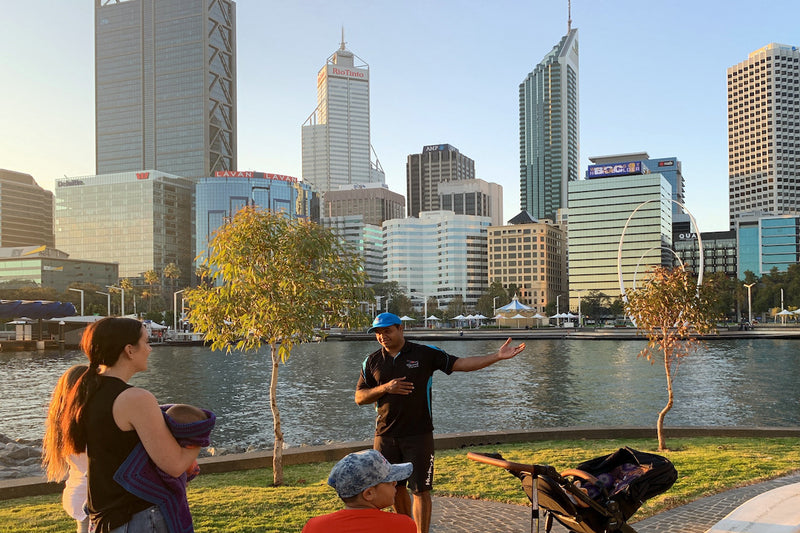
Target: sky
(652, 78)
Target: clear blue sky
(652, 78)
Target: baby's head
(185, 414)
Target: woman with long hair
(58, 466)
(108, 418)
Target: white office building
(764, 132)
(440, 254)
(336, 146)
(598, 211)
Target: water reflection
(553, 383)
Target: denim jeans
(148, 521)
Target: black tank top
(110, 505)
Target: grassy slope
(245, 502)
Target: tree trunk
(670, 398)
(277, 450)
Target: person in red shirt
(365, 481)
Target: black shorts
(417, 450)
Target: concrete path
(457, 515)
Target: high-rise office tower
(26, 211)
(436, 164)
(165, 86)
(335, 138)
(548, 130)
(764, 132)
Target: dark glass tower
(165, 86)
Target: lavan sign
(253, 174)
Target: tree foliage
(274, 280)
(671, 311)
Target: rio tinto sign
(252, 174)
(345, 72)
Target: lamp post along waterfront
(108, 297)
(749, 304)
(122, 301)
(80, 291)
(175, 309)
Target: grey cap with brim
(359, 471)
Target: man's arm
(468, 364)
(366, 396)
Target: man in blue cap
(398, 378)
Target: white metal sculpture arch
(622, 239)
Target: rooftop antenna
(569, 18)
(343, 43)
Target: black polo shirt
(405, 415)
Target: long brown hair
(53, 461)
(103, 343)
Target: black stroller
(598, 496)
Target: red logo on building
(142, 175)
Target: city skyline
(653, 78)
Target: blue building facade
(219, 198)
(767, 242)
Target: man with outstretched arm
(398, 377)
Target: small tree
(671, 311)
(274, 281)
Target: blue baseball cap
(361, 470)
(383, 320)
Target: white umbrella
(518, 316)
(433, 317)
(570, 315)
(404, 318)
(537, 316)
(479, 316)
(459, 317)
(498, 316)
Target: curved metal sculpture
(622, 238)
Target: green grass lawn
(246, 502)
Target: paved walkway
(457, 515)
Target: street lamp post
(122, 302)
(378, 304)
(109, 301)
(175, 309)
(749, 305)
(80, 291)
(494, 306)
(558, 320)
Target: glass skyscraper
(549, 141)
(165, 86)
(764, 132)
(141, 220)
(336, 147)
(218, 198)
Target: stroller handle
(536, 470)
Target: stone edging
(36, 486)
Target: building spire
(343, 43)
(569, 18)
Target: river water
(553, 383)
